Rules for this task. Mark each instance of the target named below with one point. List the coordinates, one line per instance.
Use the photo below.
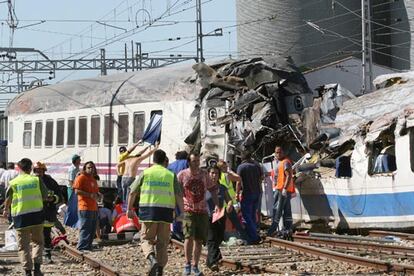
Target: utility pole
(103, 63)
(367, 77)
(200, 55)
(200, 35)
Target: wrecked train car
(370, 184)
(248, 105)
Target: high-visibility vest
(281, 177)
(157, 193)
(27, 202)
(224, 180)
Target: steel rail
(379, 233)
(331, 255)
(82, 258)
(355, 245)
(234, 265)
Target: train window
(159, 112)
(123, 129)
(108, 130)
(60, 132)
(27, 134)
(71, 132)
(38, 134)
(82, 131)
(139, 125)
(49, 134)
(95, 130)
(11, 132)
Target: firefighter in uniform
(158, 192)
(25, 196)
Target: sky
(68, 30)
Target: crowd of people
(202, 204)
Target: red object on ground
(122, 223)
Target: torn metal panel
(333, 97)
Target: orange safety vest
(122, 223)
(281, 177)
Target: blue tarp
(153, 132)
(71, 217)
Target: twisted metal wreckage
(251, 105)
(255, 104)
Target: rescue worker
(248, 194)
(227, 176)
(131, 168)
(54, 197)
(124, 153)
(25, 195)
(158, 192)
(284, 188)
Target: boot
(37, 271)
(48, 256)
(159, 271)
(28, 273)
(153, 265)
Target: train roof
(172, 83)
(393, 99)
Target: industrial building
(317, 32)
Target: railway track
(382, 234)
(271, 259)
(385, 257)
(67, 260)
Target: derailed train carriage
(360, 150)
(371, 185)
(225, 109)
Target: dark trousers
(215, 238)
(47, 233)
(281, 207)
(249, 206)
(87, 221)
(119, 186)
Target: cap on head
(40, 166)
(75, 157)
(122, 149)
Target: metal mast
(367, 78)
(200, 55)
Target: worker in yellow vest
(158, 192)
(25, 196)
(284, 188)
(227, 177)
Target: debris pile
(250, 104)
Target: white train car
(367, 198)
(52, 123)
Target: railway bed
(268, 258)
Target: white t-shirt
(7, 176)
